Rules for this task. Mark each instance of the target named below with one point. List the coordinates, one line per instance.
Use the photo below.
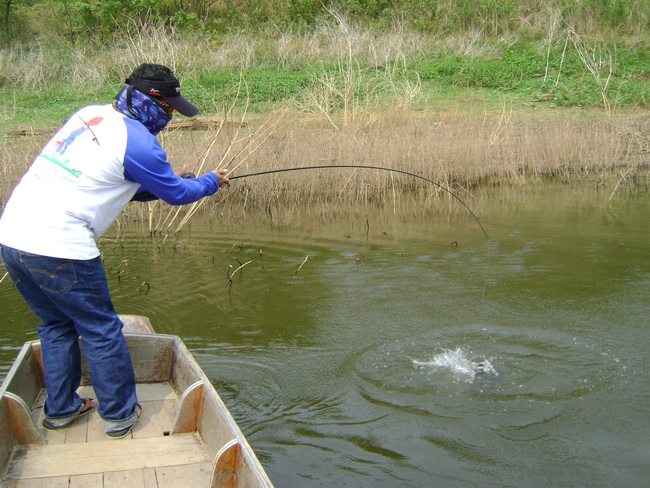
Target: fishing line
(380, 168)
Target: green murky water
(347, 348)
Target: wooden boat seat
(21, 420)
(187, 419)
(33, 462)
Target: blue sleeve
(145, 162)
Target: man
(103, 157)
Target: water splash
(459, 364)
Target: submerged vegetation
(463, 93)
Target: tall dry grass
(42, 65)
(459, 150)
(17, 155)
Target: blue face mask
(137, 105)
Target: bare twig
(234, 156)
(199, 167)
(230, 275)
(124, 264)
(303, 263)
(596, 59)
(555, 18)
(114, 241)
(618, 183)
(178, 243)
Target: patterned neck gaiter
(143, 109)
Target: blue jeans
(72, 299)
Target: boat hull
(185, 437)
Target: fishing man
(102, 158)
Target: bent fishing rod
(380, 168)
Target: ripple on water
(484, 370)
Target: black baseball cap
(169, 89)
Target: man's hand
(221, 174)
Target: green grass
(523, 73)
(266, 84)
(531, 75)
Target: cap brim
(182, 105)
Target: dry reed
(42, 66)
(459, 150)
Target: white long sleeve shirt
(83, 179)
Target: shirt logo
(62, 146)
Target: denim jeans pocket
(51, 274)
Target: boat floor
(83, 456)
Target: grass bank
(336, 68)
(463, 109)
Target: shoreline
(461, 147)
